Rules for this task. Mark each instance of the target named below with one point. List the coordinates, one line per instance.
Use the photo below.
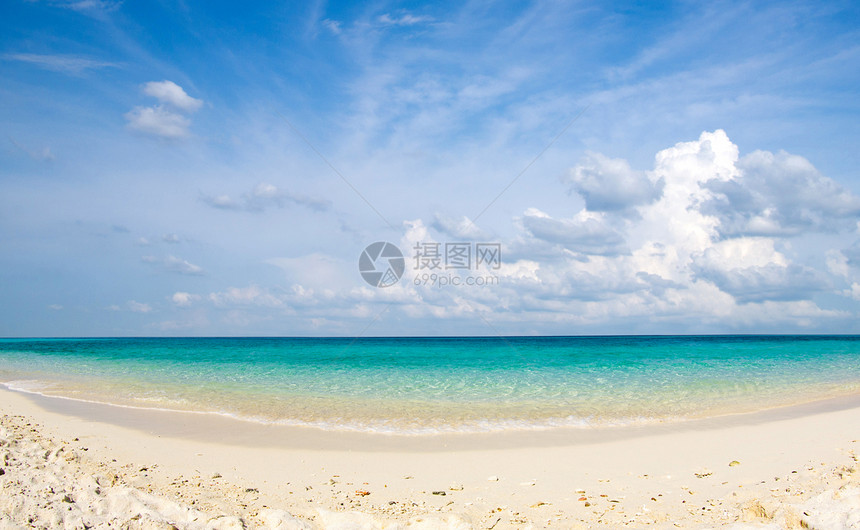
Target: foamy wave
(382, 426)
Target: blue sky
(204, 168)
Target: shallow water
(431, 385)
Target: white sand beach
(77, 465)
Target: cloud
(852, 254)
(133, 306)
(88, 6)
(405, 19)
(181, 266)
(39, 155)
(245, 296)
(265, 196)
(158, 121)
(462, 228)
(780, 194)
(333, 25)
(752, 271)
(67, 64)
(174, 264)
(609, 184)
(183, 299)
(586, 233)
(138, 307)
(171, 238)
(55, 307)
(172, 94)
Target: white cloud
(245, 296)
(68, 64)
(462, 228)
(138, 307)
(171, 238)
(158, 121)
(586, 233)
(752, 271)
(333, 25)
(780, 194)
(265, 196)
(183, 299)
(609, 184)
(55, 307)
(406, 19)
(84, 6)
(172, 94)
(174, 264)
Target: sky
(198, 168)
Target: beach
(88, 465)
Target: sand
(80, 465)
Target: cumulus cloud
(780, 194)
(659, 258)
(609, 184)
(586, 233)
(183, 299)
(158, 121)
(265, 196)
(672, 257)
(752, 271)
(172, 94)
(852, 254)
(461, 228)
(164, 120)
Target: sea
(426, 386)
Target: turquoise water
(430, 385)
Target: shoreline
(196, 425)
(792, 459)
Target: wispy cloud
(174, 264)
(133, 306)
(43, 155)
(404, 19)
(265, 196)
(67, 64)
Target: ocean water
(436, 385)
